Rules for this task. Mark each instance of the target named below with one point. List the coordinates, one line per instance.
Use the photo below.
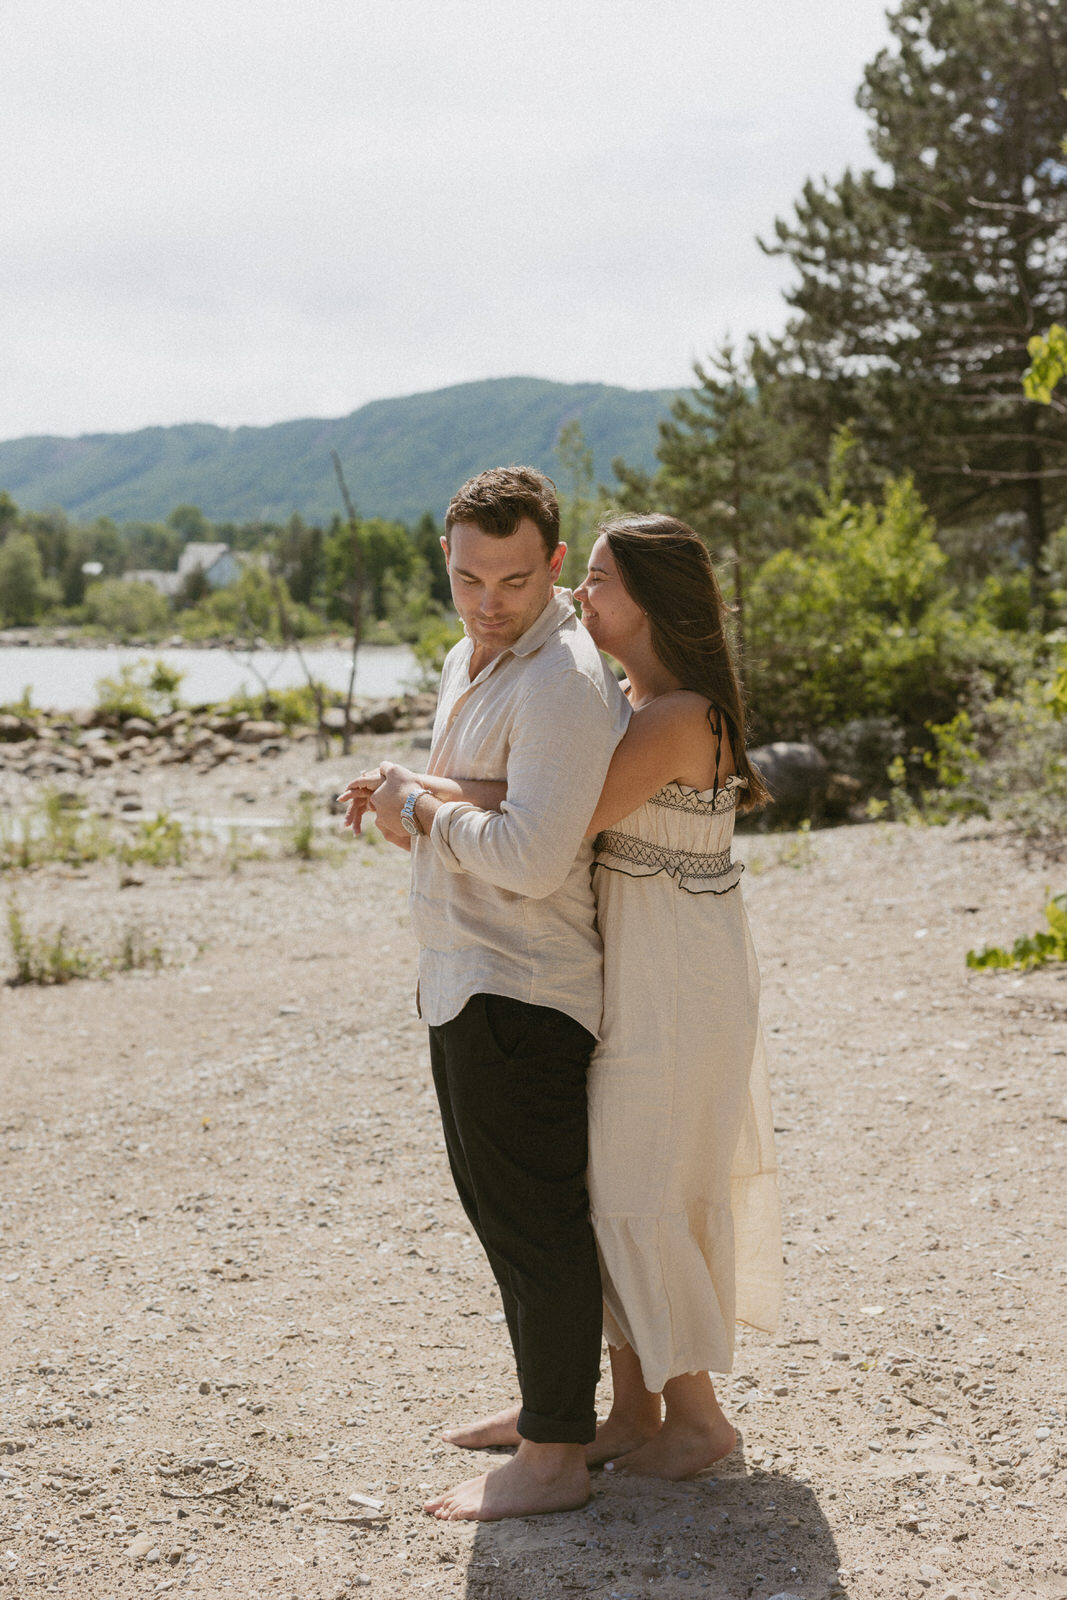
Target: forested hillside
(401, 457)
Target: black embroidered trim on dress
(681, 863)
(674, 798)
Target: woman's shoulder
(681, 708)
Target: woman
(683, 1191)
(682, 1185)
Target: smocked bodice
(680, 831)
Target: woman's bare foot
(538, 1479)
(681, 1449)
(488, 1433)
(617, 1436)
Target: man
(510, 965)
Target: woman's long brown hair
(667, 570)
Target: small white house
(216, 561)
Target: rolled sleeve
(561, 746)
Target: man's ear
(555, 564)
(447, 551)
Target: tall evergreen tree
(920, 283)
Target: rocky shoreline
(82, 742)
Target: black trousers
(511, 1083)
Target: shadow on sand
(737, 1533)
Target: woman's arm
(670, 739)
(485, 793)
(357, 795)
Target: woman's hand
(356, 797)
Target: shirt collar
(559, 610)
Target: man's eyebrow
(508, 577)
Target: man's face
(500, 586)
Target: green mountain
(401, 457)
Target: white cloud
(243, 210)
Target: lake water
(63, 679)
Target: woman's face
(612, 618)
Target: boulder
(258, 732)
(797, 776)
(379, 718)
(133, 726)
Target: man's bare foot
(680, 1450)
(488, 1433)
(528, 1485)
(618, 1436)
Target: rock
(102, 755)
(797, 776)
(842, 793)
(258, 732)
(138, 725)
(379, 718)
(335, 721)
(279, 1502)
(138, 1549)
(205, 1387)
(12, 727)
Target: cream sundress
(682, 1182)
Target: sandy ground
(236, 1288)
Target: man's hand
(387, 799)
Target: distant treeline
(884, 495)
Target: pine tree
(920, 284)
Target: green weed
(45, 958)
(799, 851)
(1029, 952)
(56, 829)
(160, 841)
(49, 957)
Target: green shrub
(140, 689)
(126, 610)
(435, 640)
(859, 622)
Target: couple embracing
(591, 991)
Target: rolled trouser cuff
(553, 1430)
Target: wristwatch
(408, 820)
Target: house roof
(200, 555)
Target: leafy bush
(140, 689)
(858, 622)
(24, 590)
(435, 640)
(123, 610)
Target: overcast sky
(243, 211)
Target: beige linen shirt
(501, 902)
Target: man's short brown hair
(496, 502)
